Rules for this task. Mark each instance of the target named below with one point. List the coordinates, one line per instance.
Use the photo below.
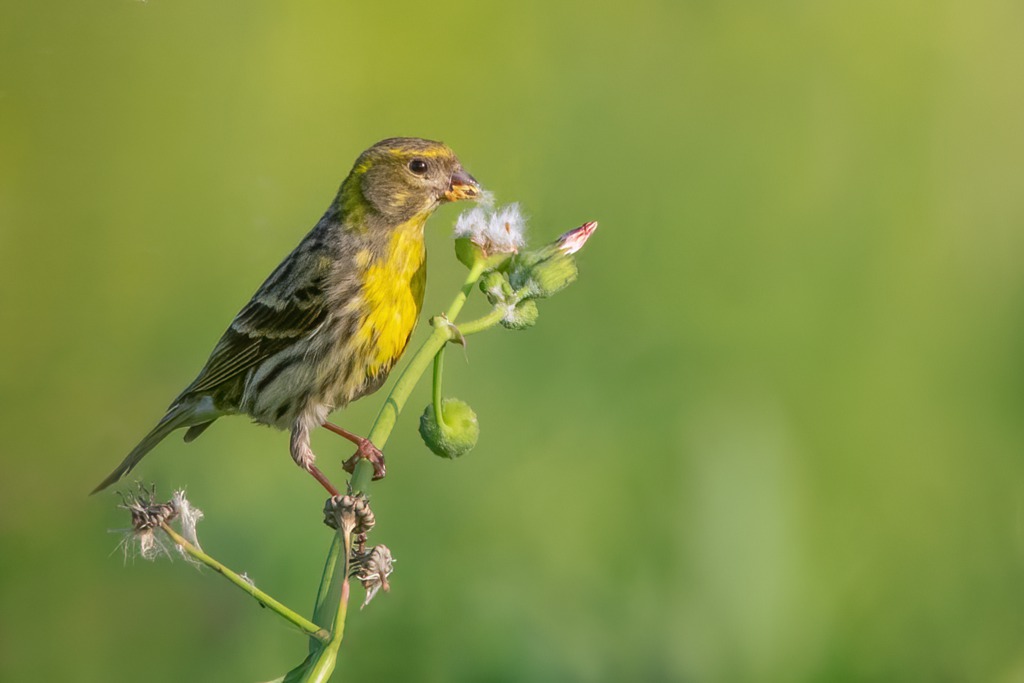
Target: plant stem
(322, 667)
(307, 627)
(388, 415)
(456, 305)
(438, 372)
(482, 323)
(327, 596)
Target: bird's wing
(288, 306)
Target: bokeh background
(774, 433)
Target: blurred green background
(774, 433)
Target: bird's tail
(183, 414)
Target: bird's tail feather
(183, 414)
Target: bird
(329, 323)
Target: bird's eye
(418, 166)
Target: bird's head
(401, 178)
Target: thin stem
(438, 371)
(307, 627)
(395, 401)
(323, 665)
(474, 274)
(327, 595)
(482, 323)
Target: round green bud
(496, 286)
(522, 315)
(456, 435)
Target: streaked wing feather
(229, 358)
(268, 324)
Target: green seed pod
(552, 275)
(521, 316)
(541, 273)
(469, 253)
(497, 288)
(457, 435)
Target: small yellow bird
(332, 320)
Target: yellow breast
(392, 297)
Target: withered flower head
(372, 569)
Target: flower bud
(544, 277)
(542, 272)
(497, 288)
(522, 315)
(573, 241)
(456, 435)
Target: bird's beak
(462, 186)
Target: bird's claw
(367, 451)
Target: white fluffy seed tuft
(497, 231)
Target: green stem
(388, 415)
(482, 323)
(395, 401)
(322, 666)
(330, 584)
(308, 627)
(474, 274)
(322, 662)
(438, 371)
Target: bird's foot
(367, 451)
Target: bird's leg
(303, 456)
(366, 450)
(320, 477)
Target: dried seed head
(497, 231)
(147, 514)
(349, 511)
(372, 568)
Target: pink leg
(303, 456)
